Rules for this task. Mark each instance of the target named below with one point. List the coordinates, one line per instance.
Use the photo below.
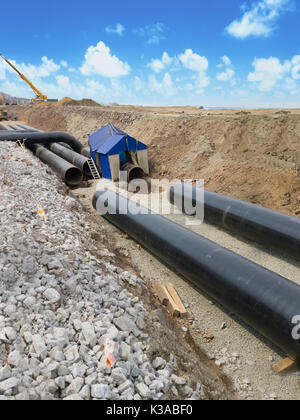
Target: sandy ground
(245, 154)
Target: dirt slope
(246, 154)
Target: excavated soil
(73, 102)
(245, 154)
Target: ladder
(93, 169)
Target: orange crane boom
(39, 96)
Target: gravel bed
(69, 327)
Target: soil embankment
(245, 154)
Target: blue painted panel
(105, 167)
(93, 155)
(101, 136)
(111, 143)
(126, 143)
(111, 140)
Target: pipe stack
(71, 169)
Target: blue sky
(216, 53)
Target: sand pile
(73, 102)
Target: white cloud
(201, 82)
(34, 73)
(107, 93)
(198, 64)
(158, 65)
(64, 63)
(96, 86)
(259, 20)
(267, 71)
(63, 81)
(165, 87)
(43, 70)
(226, 75)
(99, 60)
(291, 85)
(137, 83)
(225, 61)
(193, 61)
(154, 32)
(188, 60)
(61, 85)
(118, 29)
(296, 67)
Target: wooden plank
(172, 307)
(178, 303)
(283, 365)
(168, 296)
(160, 292)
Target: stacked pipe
(68, 164)
(43, 138)
(70, 173)
(264, 300)
(76, 159)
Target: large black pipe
(267, 227)
(75, 158)
(70, 174)
(85, 151)
(263, 299)
(42, 138)
(133, 171)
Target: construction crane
(39, 96)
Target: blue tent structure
(108, 146)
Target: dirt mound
(73, 102)
(64, 101)
(267, 187)
(247, 155)
(46, 118)
(87, 102)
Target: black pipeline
(70, 174)
(75, 158)
(263, 299)
(264, 226)
(42, 138)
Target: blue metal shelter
(111, 141)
